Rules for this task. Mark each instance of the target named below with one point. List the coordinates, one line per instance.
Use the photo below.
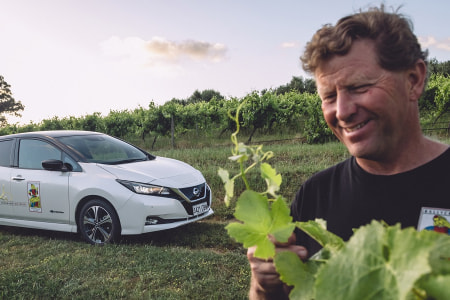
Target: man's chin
(360, 151)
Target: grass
(197, 261)
(295, 161)
(191, 262)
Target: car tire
(98, 222)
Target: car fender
(102, 185)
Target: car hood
(159, 171)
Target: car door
(6, 203)
(42, 194)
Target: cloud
(431, 41)
(289, 45)
(160, 51)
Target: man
(370, 72)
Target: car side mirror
(56, 165)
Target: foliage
(93, 122)
(119, 123)
(441, 86)
(378, 262)
(197, 96)
(297, 84)
(294, 109)
(8, 104)
(436, 67)
(262, 223)
(316, 129)
(259, 111)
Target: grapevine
(378, 262)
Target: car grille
(196, 194)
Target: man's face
(367, 107)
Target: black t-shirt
(348, 197)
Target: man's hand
(265, 281)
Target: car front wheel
(98, 222)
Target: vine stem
(418, 294)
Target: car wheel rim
(98, 224)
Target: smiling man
(370, 73)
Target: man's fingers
(301, 251)
(291, 241)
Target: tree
(441, 86)
(119, 123)
(297, 84)
(8, 105)
(197, 96)
(260, 111)
(316, 129)
(436, 67)
(169, 110)
(93, 122)
(204, 96)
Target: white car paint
(61, 193)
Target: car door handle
(18, 178)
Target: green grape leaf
(440, 256)
(228, 185)
(239, 157)
(240, 153)
(317, 229)
(282, 225)
(271, 177)
(436, 284)
(249, 236)
(259, 223)
(436, 287)
(378, 262)
(295, 273)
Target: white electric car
(95, 184)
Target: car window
(33, 152)
(68, 160)
(103, 149)
(5, 152)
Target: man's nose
(345, 106)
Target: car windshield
(103, 149)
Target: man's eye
(361, 88)
(329, 98)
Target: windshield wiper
(127, 161)
(119, 162)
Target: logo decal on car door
(34, 198)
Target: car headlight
(147, 189)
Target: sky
(76, 57)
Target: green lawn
(198, 261)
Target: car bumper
(142, 213)
(163, 224)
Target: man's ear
(416, 77)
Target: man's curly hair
(396, 45)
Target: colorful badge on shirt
(434, 219)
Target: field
(197, 261)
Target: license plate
(200, 208)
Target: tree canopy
(436, 67)
(8, 105)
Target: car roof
(50, 133)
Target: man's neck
(423, 152)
